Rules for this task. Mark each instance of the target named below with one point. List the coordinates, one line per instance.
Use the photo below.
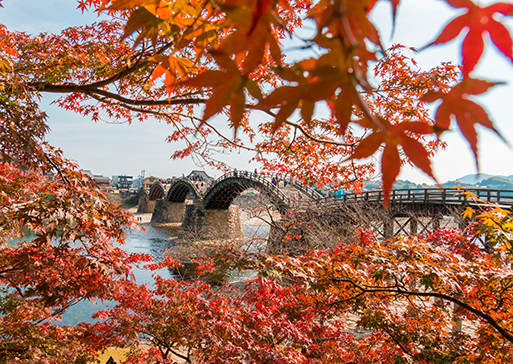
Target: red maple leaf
(456, 104)
(391, 161)
(479, 21)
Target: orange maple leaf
(227, 86)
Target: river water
(151, 241)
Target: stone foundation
(145, 205)
(166, 211)
(212, 224)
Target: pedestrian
(256, 172)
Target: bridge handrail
(189, 182)
(307, 190)
(312, 192)
(424, 195)
(431, 195)
(255, 177)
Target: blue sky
(110, 149)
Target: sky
(117, 149)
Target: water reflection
(152, 241)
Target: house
(103, 182)
(123, 182)
(148, 181)
(200, 176)
(138, 183)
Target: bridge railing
(311, 192)
(257, 178)
(426, 195)
(191, 183)
(307, 190)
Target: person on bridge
(339, 194)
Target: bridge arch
(157, 191)
(226, 188)
(180, 189)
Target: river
(151, 241)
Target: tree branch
(504, 332)
(303, 131)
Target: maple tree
(185, 62)
(366, 301)
(164, 59)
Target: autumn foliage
(164, 59)
(368, 301)
(189, 64)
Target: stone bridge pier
(145, 205)
(212, 224)
(199, 222)
(169, 212)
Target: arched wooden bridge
(221, 193)
(410, 211)
(410, 204)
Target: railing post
(413, 225)
(388, 226)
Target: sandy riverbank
(246, 218)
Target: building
(122, 182)
(200, 176)
(103, 182)
(138, 183)
(148, 181)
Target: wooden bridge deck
(444, 196)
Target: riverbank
(247, 219)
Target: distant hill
(492, 182)
(498, 183)
(451, 184)
(398, 185)
(474, 179)
(471, 180)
